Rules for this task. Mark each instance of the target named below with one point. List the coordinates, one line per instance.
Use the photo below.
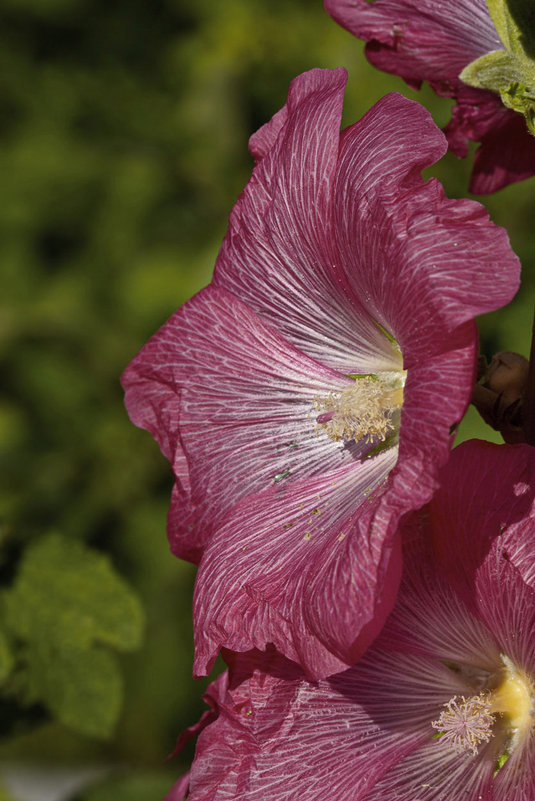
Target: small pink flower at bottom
(442, 706)
(427, 40)
(307, 398)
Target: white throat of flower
(506, 706)
(367, 410)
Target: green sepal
(509, 72)
(495, 71)
(501, 21)
(511, 76)
(514, 21)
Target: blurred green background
(123, 146)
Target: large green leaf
(65, 603)
(82, 688)
(66, 593)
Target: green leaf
(514, 21)
(65, 599)
(66, 593)
(82, 688)
(6, 658)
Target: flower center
(466, 723)
(367, 410)
(513, 699)
(506, 705)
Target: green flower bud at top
(509, 72)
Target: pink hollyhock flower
(442, 706)
(306, 397)
(427, 40)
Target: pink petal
(419, 39)
(440, 254)
(429, 618)
(506, 155)
(179, 790)
(518, 541)
(507, 151)
(432, 774)
(279, 736)
(485, 502)
(214, 697)
(366, 734)
(277, 256)
(332, 239)
(288, 555)
(506, 604)
(217, 379)
(516, 780)
(483, 523)
(186, 540)
(291, 591)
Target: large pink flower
(441, 708)
(427, 40)
(306, 397)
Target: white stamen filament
(367, 410)
(466, 724)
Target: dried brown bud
(500, 393)
(507, 375)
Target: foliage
(136, 787)
(66, 599)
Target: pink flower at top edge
(441, 706)
(426, 40)
(306, 398)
